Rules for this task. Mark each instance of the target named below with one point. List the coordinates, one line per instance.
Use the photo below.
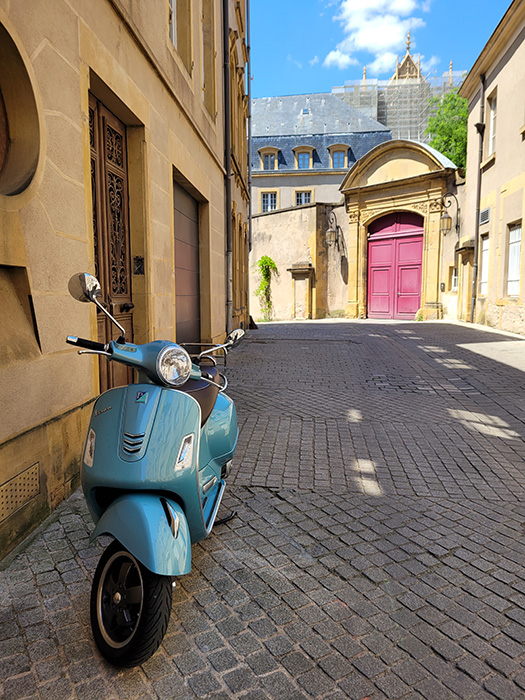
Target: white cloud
(428, 64)
(294, 61)
(339, 59)
(314, 60)
(376, 27)
(385, 63)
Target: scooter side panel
(139, 521)
(219, 435)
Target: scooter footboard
(153, 528)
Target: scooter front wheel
(130, 607)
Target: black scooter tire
(130, 607)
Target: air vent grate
(484, 216)
(132, 443)
(18, 491)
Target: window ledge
(488, 161)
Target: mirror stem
(122, 339)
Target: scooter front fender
(153, 528)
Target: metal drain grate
(18, 491)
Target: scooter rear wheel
(130, 607)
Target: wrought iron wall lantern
(445, 222)
(334, 232)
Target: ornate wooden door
(109, 184)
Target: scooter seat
(204, 392)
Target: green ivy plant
(266, 267)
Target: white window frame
(484, 266)
(493, 108)
(303, 194)
(514, 260)
(454, 279)
(268, 199)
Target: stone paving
(378, 550)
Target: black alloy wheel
(130, 607)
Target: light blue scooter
(153, 472)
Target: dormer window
(338, 159)
(339, 156)
(303, 160)
(303, 157)
(269, 161)
(269, 158)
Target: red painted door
(395, 253)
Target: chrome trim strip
(217, 504)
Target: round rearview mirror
(235, 337)
(84, 287)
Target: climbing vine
(266, 267)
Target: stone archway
(395, 177)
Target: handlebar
(85, 343)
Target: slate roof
(317, 120)
(321, 113)
(357, 144)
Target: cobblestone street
(379, 546)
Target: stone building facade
(302, 146)
(113, 133)
(492, 255)
(377, 254)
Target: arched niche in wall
(19, 126)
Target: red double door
(395, 254)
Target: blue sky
(302, 46)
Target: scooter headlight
(173, 365)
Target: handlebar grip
(85, 343)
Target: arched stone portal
(395, 187)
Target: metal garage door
(187, 282)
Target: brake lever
(95, 352)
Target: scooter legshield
(153, 529)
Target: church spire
(409, 68)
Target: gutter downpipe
(249, 129)
(227, 166)
(480, 128)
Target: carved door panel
(109, 185)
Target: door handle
(127, 306)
